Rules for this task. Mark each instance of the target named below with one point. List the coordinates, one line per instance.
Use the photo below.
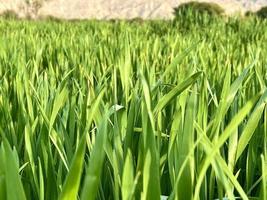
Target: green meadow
(133, 109)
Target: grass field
(133, 110)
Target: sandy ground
(123, 9)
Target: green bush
(249, 13)
(9, 14)
(193, 15)
(198, 8)
(262, 13)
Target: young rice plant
(133, 110)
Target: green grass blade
(92, 178)
(177, 60)
(72, 182)
(14, 187)
(251, 125)
(237, 119)
(59, 101)
(185, 143)
(127, 187)
(151, 179)
(166, 99)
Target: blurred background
(114, 9)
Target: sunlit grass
(130, 110)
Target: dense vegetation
(133, 110)
(198, 11)
(262, 13)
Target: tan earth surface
(110, 9)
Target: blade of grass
(71, 185)
(92, 178)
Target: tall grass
(102, 110)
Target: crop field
(133, 109)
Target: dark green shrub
(196, 15)
(198, 8)
(249, 14)
(9, 14)
(262, 13)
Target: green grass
(133, 110)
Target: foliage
(133, 110)
(262, 13)
(199, 8)
(197, 15)
(9, 14)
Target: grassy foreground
(133, 110)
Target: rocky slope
(107, 9)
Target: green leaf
(251, 125)
(14, 187)
(185, 143)
(92, 178)
(59, 102)
(128, 186)
(166, 99)
(220, 167)
(151, 179)
(228, 94)
(178, 59)
(72, 182)
(236, 120)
